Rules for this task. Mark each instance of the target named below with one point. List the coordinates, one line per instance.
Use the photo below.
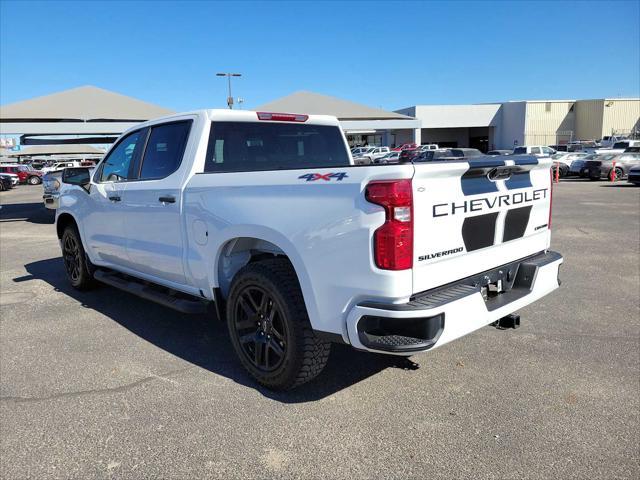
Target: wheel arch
(249, 243)
(239, 251)
(63, 221)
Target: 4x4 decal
(312, 177)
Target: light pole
(229, 75)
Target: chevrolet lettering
(488, 203)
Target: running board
(152, 293)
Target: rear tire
(619, 173)
(34, 180)
(269, 326)
(77, 266)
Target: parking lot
(105, 385)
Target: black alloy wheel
(78, 267)
(269, 326)
(260, 329)
(71, 257)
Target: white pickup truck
(264, 218)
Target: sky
(382, 54)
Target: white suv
(537, 150)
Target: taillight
(550, 200)
(282, 117)
(393, 241)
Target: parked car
(578, 165)
(604, 168)
(620, 147)
(500, 152)
(361, 161)
(465, 152)
(375, 153)
(408, 154)
(357, 151)
(302, 248)
(565, 160)
(435, 155)
(25, 173)
(610, 140)
(634, 175)
(6, 183)
(405, 146)
(428, 146)
(69, 164)
(391, 157)
(13, 178)
(537, 150)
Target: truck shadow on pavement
(203, 341)
(26, 212)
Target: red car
(405, 146)
(408, 154)
(26, 173)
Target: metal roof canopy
(47, 140)
(42, 150)
(84, 110)
(316, 104)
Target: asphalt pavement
(105, 385)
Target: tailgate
(475, 215)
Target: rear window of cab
(255, 146)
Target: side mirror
(76, 176)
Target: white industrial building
(529, 122)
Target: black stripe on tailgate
(479, 232)
(515, 223)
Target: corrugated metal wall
(510, 130)
(589, 119)
(621, 116)
(549, 123)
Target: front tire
(76, 264)
(269, 326)
(35, 180)
(564, 171)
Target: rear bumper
(441, 315)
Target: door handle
(170, 199)
(115, 198)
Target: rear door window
(165, 149)
(519, 150)
(251, 146)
